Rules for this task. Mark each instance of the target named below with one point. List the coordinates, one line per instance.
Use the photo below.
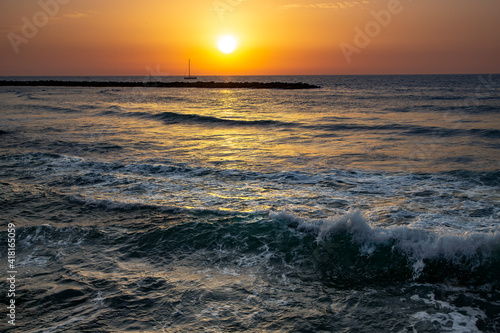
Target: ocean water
(368, 205)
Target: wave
(168, 118)
(110, 204)
(179, 118)
(486, 133)
(472, 109)
(344, 251)
(350, 251)
(411, 130)
(53, 108)
(458, 110)
(442, 98)
(334, 178)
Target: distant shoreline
(198, 84)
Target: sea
(370, 204)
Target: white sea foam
(446, 317)
(416, 243)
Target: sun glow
(227, 44)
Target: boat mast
(189, 77)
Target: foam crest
(425, 251)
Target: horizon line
(228, 75)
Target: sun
(227, 44)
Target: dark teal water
(369, 205)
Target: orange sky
(125, 37)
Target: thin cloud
(78, 15)
(328, 5)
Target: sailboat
(189, 77)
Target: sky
(274, 37)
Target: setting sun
(258, 37)
(227, 44)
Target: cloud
(77, 15)
(328, 5)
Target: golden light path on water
(288, 139)
(228, 139)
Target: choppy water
(369, 205)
